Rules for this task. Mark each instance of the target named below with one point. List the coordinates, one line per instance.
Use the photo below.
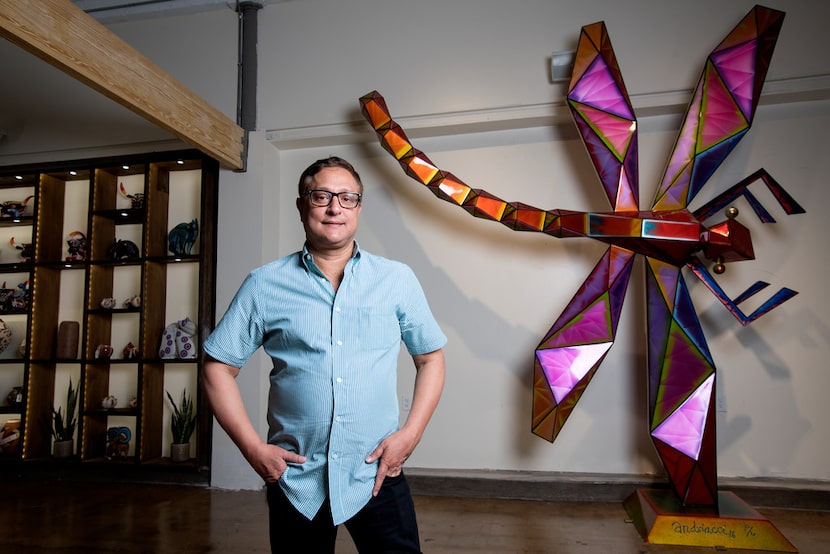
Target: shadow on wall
(510, 345)
(496, 339)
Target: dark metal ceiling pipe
(246, 116)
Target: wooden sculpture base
(661, 519)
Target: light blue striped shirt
(333, 393)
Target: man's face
(330, 227)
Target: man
(332, 318)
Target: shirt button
(334, 456)
(337, 309)
(340, 343)
(337, 418)
(339, 379)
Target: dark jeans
(385, 525)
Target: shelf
(18, 221)
(15, 267)
(182, 258)
(133, 199)
(101, 412)
(116, 263)
(129, 216)
(105, 311)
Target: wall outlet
(720, 403)
(406, 403)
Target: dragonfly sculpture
(681, 371)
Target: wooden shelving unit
(50, 287)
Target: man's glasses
(322, 198)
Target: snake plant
(183, 421)
(63, 425)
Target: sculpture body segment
(681, 372)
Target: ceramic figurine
(182, 237)
(76, 243)
(15, 397)
(10, 436)
(118, 442)
(167, 350)
(103, 352)
(13, 208)
(133, 403)
(20, 296)
(130, 351)
(109, 402)
(5, 298)
(136, 200)
(178, 340)
(68, 338)
(123, 250)
(26, 250)
(15, 299)
(108, 303)
(133, 302)
(5, 336)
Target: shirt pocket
(378, 330)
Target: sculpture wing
(603, 114)
(575, 346)
(722, 107)
(681, 386)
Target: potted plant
(63, 424)
(182, 424)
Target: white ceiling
(107, 11)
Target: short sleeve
(420, 331)
(240, 331)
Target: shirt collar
(307, 258)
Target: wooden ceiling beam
(66, 37)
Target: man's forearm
(429, 384)
(222, 392)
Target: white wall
(495, 291)
(438, 56)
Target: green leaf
(183, 420)
(63, 426)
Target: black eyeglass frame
(331, 195)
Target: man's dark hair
(315, 168)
